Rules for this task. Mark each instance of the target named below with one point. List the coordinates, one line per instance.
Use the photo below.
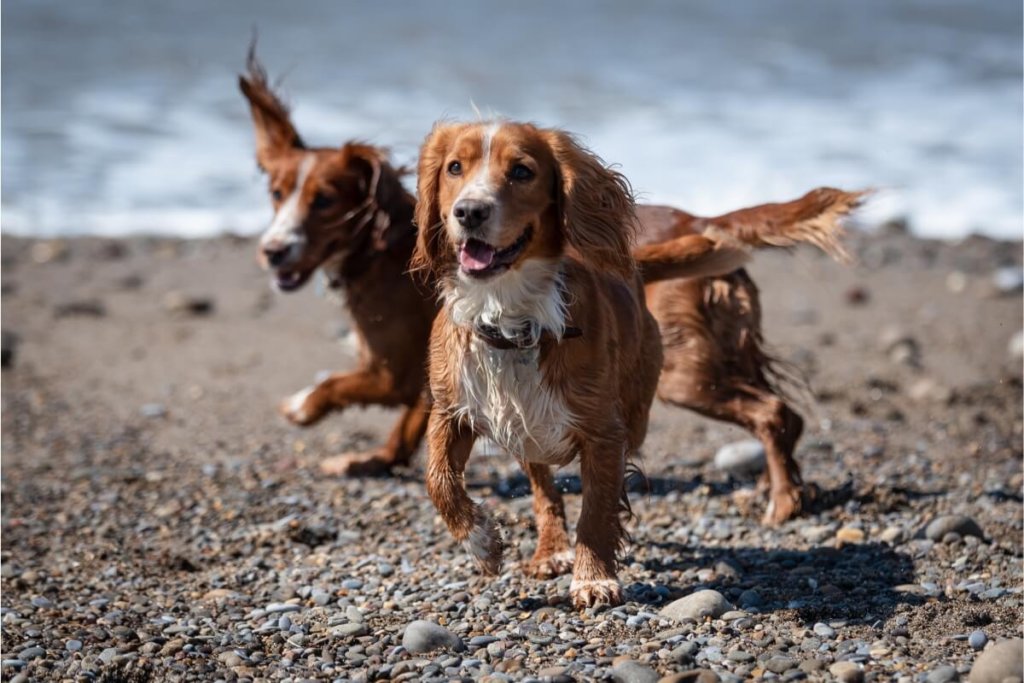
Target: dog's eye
(276, 194)
(322, 201)
(520, 172)
(455, 168)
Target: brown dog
(715, 361)
(344, 210)
(544, 343)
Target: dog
(544, 342)
(343, 211)
(716, 362)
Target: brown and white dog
(715, 361)
(343, 210)
(544, 343)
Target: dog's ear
(274, 130)
(429, 253)
(595, 205)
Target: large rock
(1003, 660)
(423, 636)
(705, 603)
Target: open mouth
(290, 280)
(479, 259)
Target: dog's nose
(275, 254)
(471, 213)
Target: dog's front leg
(599, 532)
(448, 447)
(337, 392)
(554, 555)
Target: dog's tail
(815, 218)
(689, 256)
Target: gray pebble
(942, 674)
(352, 584)
(385, 569)
(152, 410)
(40, 601)
(30, 653)
(780, 665)
(284, 623)
(73, 645)
(741, 458)
(425, 636)
(824, 630)
(107, 656)
(977, 639)
(281, 608)
(697, 606)
(15, 663)
(684, 652)
(847, 672)
(634, 672)
(481, 641)
(940, 526)
(750, 598)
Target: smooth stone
(1008, 280)
(824, 630)
(940, 526)
(942, 674)
(30, 653)
(352, 584)
(847, 672)
(750, 598)
(849, 535)
(40, 601)
(779, 665)
(705, 603)
(107, 656)
(481, 641)
(281, 607)
(634, 672)
(977, 640)
(425, 636)
(73, 645)
(1003, 660)
(685, 651)
(741, 457)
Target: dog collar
(492, 335)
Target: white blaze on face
(480, 187)
(284, 230)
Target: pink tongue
(476, 255)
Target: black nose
(275, 255)
(471, 213)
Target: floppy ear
(429, 253)
(595, 205)
(274, 130)
(382, 185)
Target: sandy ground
(161, 522)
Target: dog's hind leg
(401, 446)
(554, 555)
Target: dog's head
(325, 199)
(493, 196)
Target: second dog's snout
(471, 213)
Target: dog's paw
(595, 592)
(370, 464)
(783, 506)
(301, 408)
(484, 544)
(551, 565)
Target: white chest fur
(505, 397)
(502, 392)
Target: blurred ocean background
(120, 116)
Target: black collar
(522, 340)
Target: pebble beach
(162, 523)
